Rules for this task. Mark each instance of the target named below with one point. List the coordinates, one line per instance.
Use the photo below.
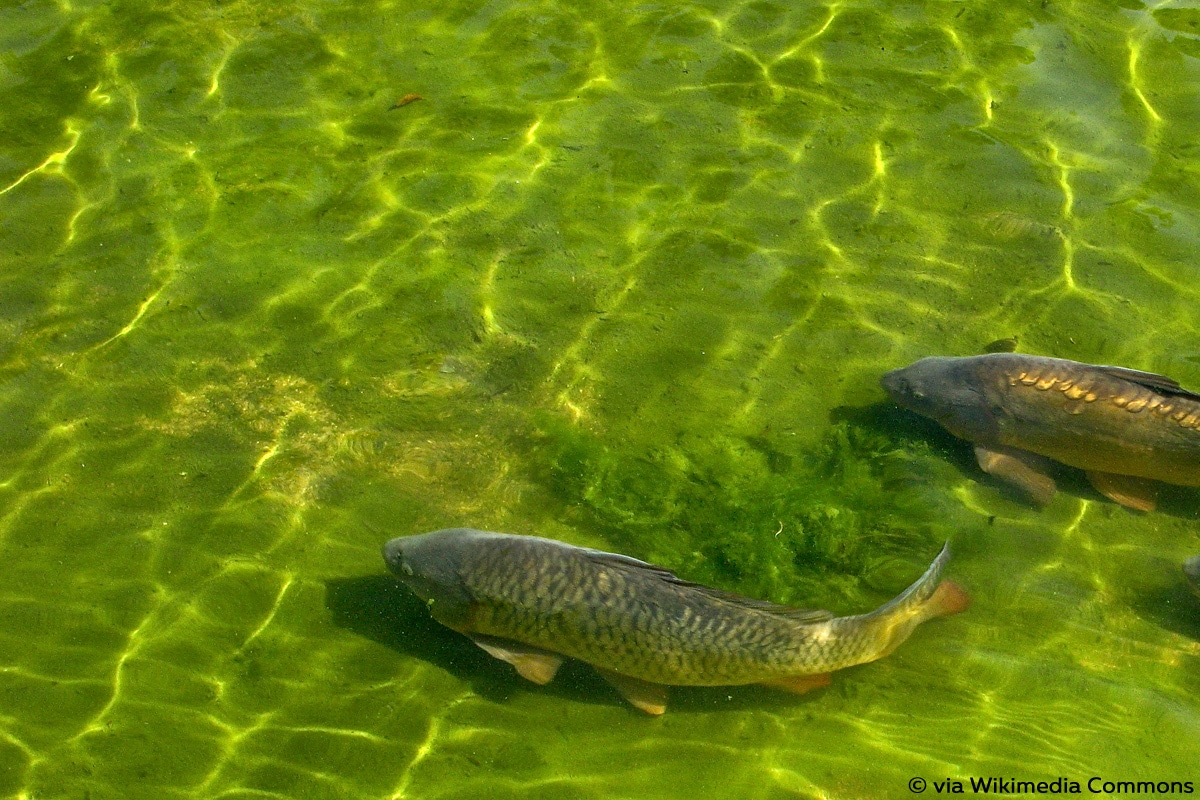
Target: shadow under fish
(1128, 430)
(535, 602)
(1172, 604)
(382, 609)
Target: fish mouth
(900, 389)
(891, 383)
(393, 555)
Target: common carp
(1125, 428)
(1191, 569)
(533, 602)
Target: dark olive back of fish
(580, 601)
(639, 621)
(1098, 418)
(1080, 385)
(976, 397)
(602, 608)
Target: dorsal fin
(1158, 383)
(618, 561)
(805, 615)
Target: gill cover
(948, 390)
(431, 565)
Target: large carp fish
(533, 602)
(1127, 429)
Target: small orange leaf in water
(403, 101)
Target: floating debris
(407, 99)
(1010, 225)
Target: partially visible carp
(1191, 570)
(1126, 428)
(532, 602)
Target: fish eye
(911, 389)
(406, 569)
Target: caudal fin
(948, 598)
(929, 596)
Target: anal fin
(1020, 468)
(532, 663)
(1129, 491)
(643, 695)
(800, 684)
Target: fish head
(1191, 569)
(431, 564)
(947, 390)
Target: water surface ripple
(625, 275)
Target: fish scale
(1072, 380)
(639, 622)
(1125, 428)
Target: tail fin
(949, 598)
(927, 598)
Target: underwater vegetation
(625, 276)
(756, 519)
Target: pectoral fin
(643, 695)
(1138, 493)
(532, 663)
(800, 684)
(1020, 468)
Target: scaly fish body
(636, 621)
(1113, 422)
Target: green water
(626, 276)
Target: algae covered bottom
(626, 276)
